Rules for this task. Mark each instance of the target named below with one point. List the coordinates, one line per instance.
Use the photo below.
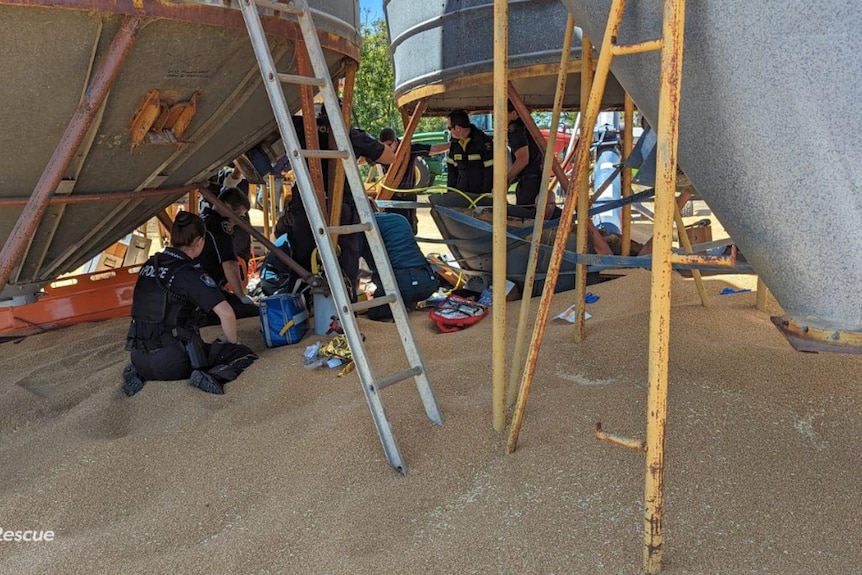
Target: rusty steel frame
(537, 136)
(100, 85)
(549, 160)
(500, 189)
(398, 169)
(667, 130)
(762, 295)
(309, 126)
(70, 178)
(631, 443)
(106, 196)
(812, 339)
(336, 167)
(253, 189)
(626, 180)
(581, 179)
(685, 243)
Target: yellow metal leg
(667, 132)
(498, 311)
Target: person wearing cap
(470, 163)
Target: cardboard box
(117, 249)
(108, 262)
(699, 234)
(138, 250)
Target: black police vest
(156, 311)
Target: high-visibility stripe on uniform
(488, 163)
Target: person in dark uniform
(219, 259)
(302, 241)
(408, 182)
(415, 278)
(234, 178)
(527, 160)
(470, 163)
(231, 177)
(171, 297)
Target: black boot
(205, 382)
(132, 383)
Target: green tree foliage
(373, 101)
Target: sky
(376, 8)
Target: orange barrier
(75, 299)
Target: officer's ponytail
(187, 228)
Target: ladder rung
(406, 374)
(306, 80)
(279, 7)
(348, 229)
(376, 302)
(647, 46)
(326, 154)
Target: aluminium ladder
(324, 233)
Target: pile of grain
(285, 473)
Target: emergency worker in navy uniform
(527, 161)
(414, 276)
(470, 163)
(302, 240)
(231, 177)
(171, 298)
(219, 259)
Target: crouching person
(171, 299)
(415, 278)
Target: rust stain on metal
(164, 122)
(145, 116)
(810, 339)
(181, 116)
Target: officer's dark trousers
(225, 361)
(409, 213)
(415, 284)
(303, 244)
(527, 190)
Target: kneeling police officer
(171, 299)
